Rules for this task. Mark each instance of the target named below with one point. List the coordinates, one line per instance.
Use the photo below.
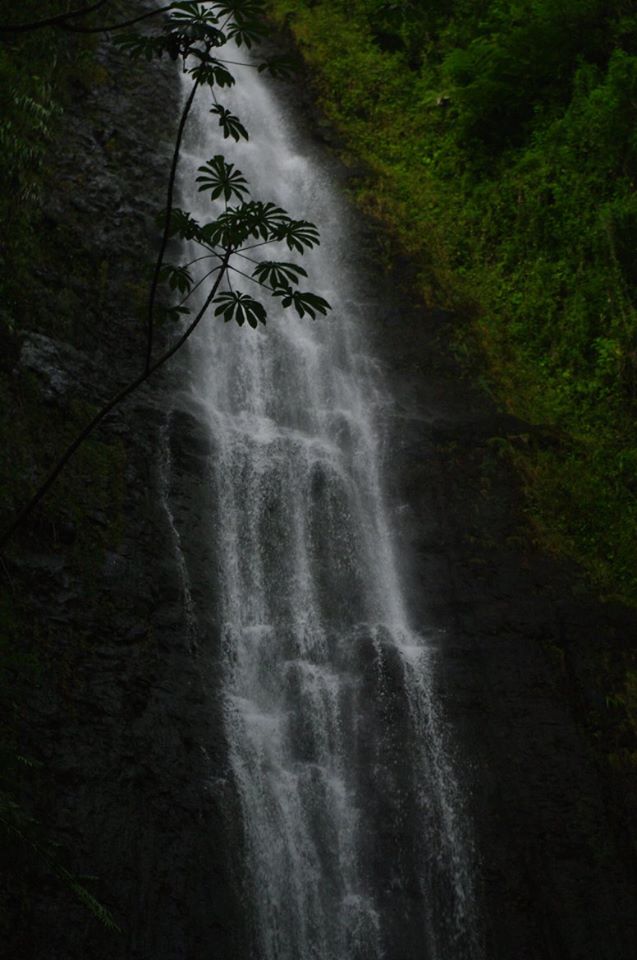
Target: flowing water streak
(165, 471)
(351, 813)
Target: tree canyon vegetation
(499, 146)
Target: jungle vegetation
(500, 139)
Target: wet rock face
(524, 652)
(125, 718)
(58, 366)
(518, 634)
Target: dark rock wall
(527, 656)
(520, 634)
(124, 716)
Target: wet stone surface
(134, 788)
(518, 632)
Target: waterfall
(356, 846)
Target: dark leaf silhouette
(240, 307)
(222, 180)
(231, 125)
(278, 274)
(298, 234)
(177, 278)
(303, 303)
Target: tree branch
(164, 241)
(254, 279)
(196, 286)
(108, 407)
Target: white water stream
(355, 846)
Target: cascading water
(355, 845)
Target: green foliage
(231, 125)
(241, 308)
(17, 825)
(190, 33)
(279, 275)
(29, 114)
(303, 303)
(25, 131)
(520, 62)
(222, 180)
(499, 138)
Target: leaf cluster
(250, 223)
(191, 31)
(195, 32)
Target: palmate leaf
(189, 34)
(303, 303)
(177, 278)
(191, 22)
(231, 125)
(195, 21)
(245, 32)
(186, 13)
(228, 230)
(278, 275)
(181, 224)
(252, 219)
(240, 307)
(187, 24)
(222, 180)
(298, 234)
(263, 219)
(211, 73)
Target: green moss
(39, 73)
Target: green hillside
(501, 142)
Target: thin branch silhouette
(166, 232)
(114, 402)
